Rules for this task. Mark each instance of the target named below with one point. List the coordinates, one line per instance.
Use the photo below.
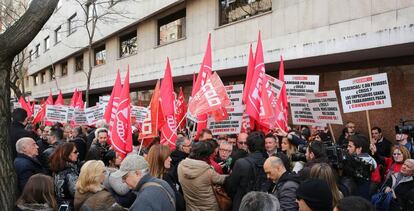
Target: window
(58, 38)
(171, 28)
(64, 69)
(47, 43)
(234, 10)
(37, 50)
(79, 63)
(43, 77)
(30, 55)
(128, 44)
(35, 80)
(100, 55)
(71, 24)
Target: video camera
(405, 128)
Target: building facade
(335, 39)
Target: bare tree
(12, 42)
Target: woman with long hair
(65, 173)
(324, 172)
(394, 163)
(38, 194)
(159, 162)
(90, 193)
(289, 149)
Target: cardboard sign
(365, 93)
(230, 126)
(235, 93)
(139, 112)
(301, 113)
(56, 113)
(324, 107)
(275, 85)
(104, 99)
(300, 85)
(79, 117)
(94, 114)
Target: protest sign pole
(140, 146)
(369, 125)
(192, 132)
(332, 133)
(182, 119)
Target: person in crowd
(285, 182)
(324, 172)
(112, 159)
(159, 161)
(239, 152)
(259, 201)
(65, 172)
(271, 144)
(90, 130)
(197, 177)
(248, 174)
(38, 194)
(232, 139)
(152, 193)
(223, 157)
(315, 153)
(294, 137)
(68, 132)
(42, 142)
(382, 145)
(54, 139)
(182, 150)
(402, 139)
(358, 148)
(241, 142)
(213, 156)
(290, 149)
(394, 163)
(349, 130)
(99, 146)
(90, 194)
(205, 134)
(79, 139)
(17, 129)
(354, 203)
(314, 195)
(402, 187)
(26, 163)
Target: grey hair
(226, 143)
(21, 144)
(410, 160)
(259, 201)
(180, 142)
(101, 123)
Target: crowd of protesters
(60, 167)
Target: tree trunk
(16, 90)
(89, 74)
(8, 183)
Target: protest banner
(139, 112)
(56, 113)
(365, 93)
(275, 85)
(104, 99)
(301, 113)
(36, 109)
(235, 93)
(93, 114)
(79, 117)
(71, 111)
(232, 125)
(300, 85)
(324, 107)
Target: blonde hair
(89, 177)
(324, 172)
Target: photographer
(359, 164)
(315, 153)
(402, 138)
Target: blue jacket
(25, 167)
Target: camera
(405, 128)
(300, 155)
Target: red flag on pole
(282, 103)
(249, 75)
(59, 100)
(255, 89)
(25, 106)
(181, 108)
(79, 101)
(169, 130)
(121, 132)
(42, 111)
(155, 119)
(74, 98)
(116, 91)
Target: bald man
(26, 163)
(285, 183)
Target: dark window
(171, 28)
(58, 37)
(37, 50)
(43, 77)
(100, 55)
(64, 69)
(47, 43)
(79, 63)
(128, 44)
(234, 10)
(71, 24)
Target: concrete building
(336, 39)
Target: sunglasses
(242, 143)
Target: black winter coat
(65, 182)
(285, 191)
(404, 192)
(17, 132)
(80, 144)
(25, 167)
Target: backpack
(258, 180)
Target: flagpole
(140, 146)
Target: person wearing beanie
(314, 195)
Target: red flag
(282, 103)
(212, 96)
(49, 100)
(79, 101)
(249, 75)
(42, 111)
(74, 98)
(155, 119)
(25, 106)
(59, 100)
(116, 91)
(254, 94)
(169, 130)
(121, 132)
(181, 109)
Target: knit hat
(132, 162)
(316, 194)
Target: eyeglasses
(225, 150)
(241, 143)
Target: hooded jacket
(285, 190)
(196, 178)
